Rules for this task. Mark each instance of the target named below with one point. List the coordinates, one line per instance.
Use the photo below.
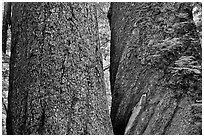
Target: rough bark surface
(155, 69)
(56, 83)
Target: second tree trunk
(155, 69)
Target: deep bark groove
(151, 43)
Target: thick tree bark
(155, 69)
(56, 83)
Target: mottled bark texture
(155, 69)
(56, 83)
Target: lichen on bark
(155, 50)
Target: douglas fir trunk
(56, 81)
(155, 69)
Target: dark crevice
(145, 127)
(171, 119)
(42, 121)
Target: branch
(106, 67)
(4, 105)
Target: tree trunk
(155, 69)
(56, 83)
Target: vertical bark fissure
(25, 126)
(162, 35)
(145, 127)
(60, 89)
(88, 99)
(171, 119)
(41, 84)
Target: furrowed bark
(155, 51)
(56, 83)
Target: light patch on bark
(135, 112)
